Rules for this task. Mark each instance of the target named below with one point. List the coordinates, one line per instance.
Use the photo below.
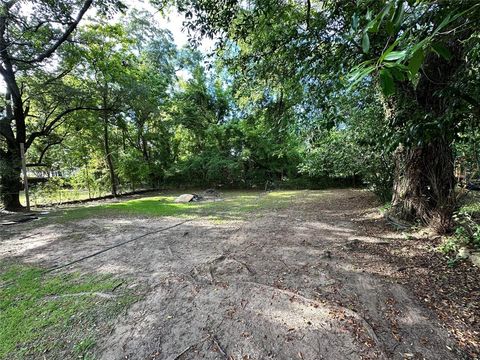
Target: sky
(173, 22)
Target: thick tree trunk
(10, 185)
(108, 156)
(424, 185)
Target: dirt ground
(323, 278)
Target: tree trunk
(108, 156)
(10, 185)
(424, 185)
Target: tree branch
(47, 53)
(50, 127)
(45, 149)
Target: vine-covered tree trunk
(424, 184)
(10, 168)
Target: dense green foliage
(410, 64)
(297, 94)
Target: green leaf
(442, 50)
(415, 62)
(386, 82)
(365, 42)
(389, 50)
(390, 28)
(359, 74)
(398, 17)
(369, 15)
(374, 24)
(397, 73)
(395, 55)
(355, 21)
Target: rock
(186, 198)
(463, 253)
(475, 258)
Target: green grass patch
(235, 205)
(56, 316)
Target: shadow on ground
(303, 281)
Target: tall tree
(421, 45)
(31, 34)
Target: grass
(236, 205)
(38, 321)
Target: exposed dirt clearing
(296, 283)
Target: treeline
(155, 116)
(298, 95)
(118, 107)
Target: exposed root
(188, 348)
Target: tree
(151, 85)
(419, 67)
(421, 46)
(107, 65)
(29, 40)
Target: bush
(467, 234)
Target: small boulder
(186, 198)
(463, 253)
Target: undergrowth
(467, 230)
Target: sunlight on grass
(235, 205)
(34, 310)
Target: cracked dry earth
(287, 284)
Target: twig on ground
(117, 286)
(217, 344)
(190, 347)
(99, 294)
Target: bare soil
(324, 278)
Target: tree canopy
(297, 94)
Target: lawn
(55, 315)
(233, 205)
